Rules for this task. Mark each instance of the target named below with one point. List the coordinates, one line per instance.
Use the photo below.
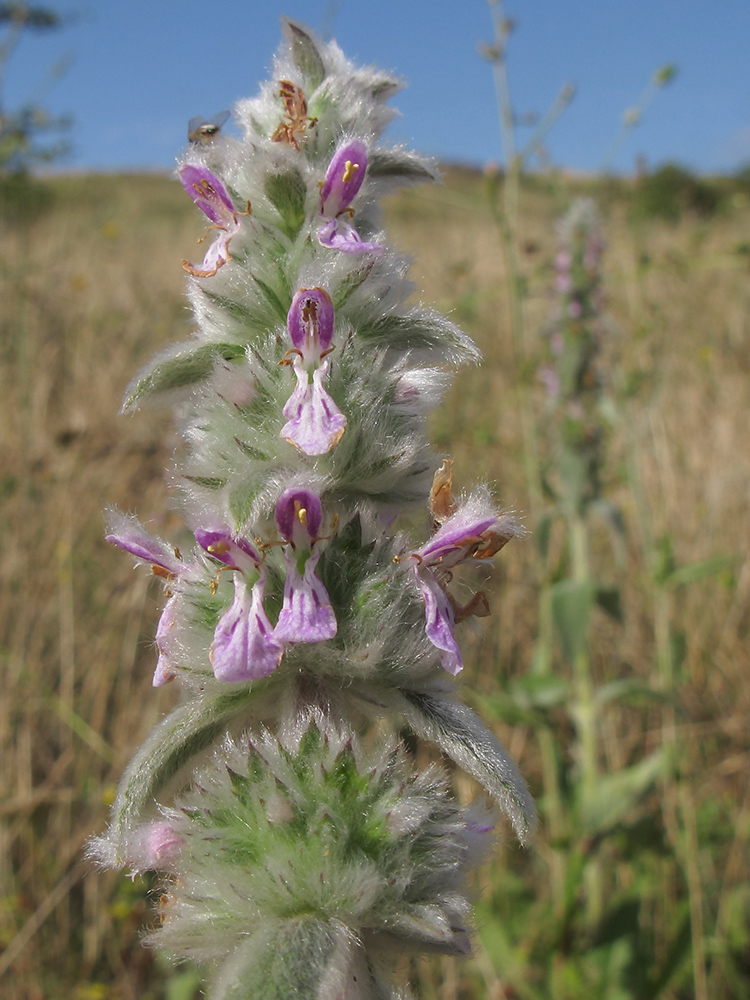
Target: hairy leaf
(168, 747)
(178, 367)
(305, 53)
(461, 735)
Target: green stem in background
(584, 711)
(505, 213)
(678, 805)
(504, 207)
(633, 116)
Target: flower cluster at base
(304, 837)
(295, 607)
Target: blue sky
(142, 68)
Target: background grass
(92, 287)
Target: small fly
(202, 131)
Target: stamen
(218, 548)
(413, 555)
(349, 171)
(287, 360)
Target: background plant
(23, 129)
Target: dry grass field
(91, 287)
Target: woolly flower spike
(474, 531)
(244, 646)
(343, 180)
(292, 853)
(306, 614)
(211, 197)
(166, 563)
(315, 424)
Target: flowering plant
(299, 852)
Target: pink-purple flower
(314, 422)
(211, 197)
(474, 531)
(166, 563)
(245, 647)
(343, 179)
(306, 614)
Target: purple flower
(550, 380)
(306, 613)
(211, 197)
(475, 531)
(343, 179)
(314, 422)
(244, 646)
(129, 535)
(160, 844)
(166, 563)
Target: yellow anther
(218, 548)
(349, 171)
(302, 516)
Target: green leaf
(608, 599)
(617, 794)
(610, 514)
(168, 747)
(271, 297)
(571, 602)
(242, 497)
(287, 193)
(295, 958)
(664, 560)
(420, 329)
(401, 164)
(629, 689)
(686, 575)
(542, 534)
(463, 737)
(540, 691)
(256, 317)
(382, 86)
(304, 53)
(182, 985)
(351, 282)
(677, 956)
(180, 366)
(251, 452)
(209, 482)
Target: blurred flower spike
(343, 180)
(314, 422)
(211, 197)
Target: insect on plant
(202, 131)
